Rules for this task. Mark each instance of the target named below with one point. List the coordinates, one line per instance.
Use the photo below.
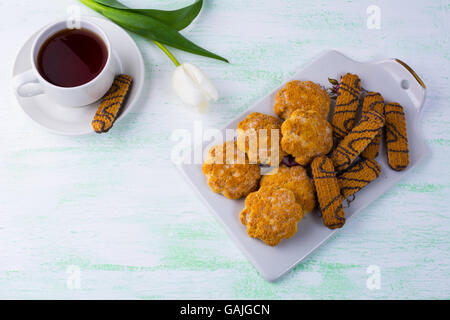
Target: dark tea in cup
(72, 57)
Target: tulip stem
(167, 52)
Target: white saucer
(77, 121)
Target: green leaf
(150, 28)
(112, 3)
(177, 19)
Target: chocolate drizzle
(111, 104)
(355, 142)
(358, 176)
(396, 137)
(347, 102)
(328, 192)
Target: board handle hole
(404, 84)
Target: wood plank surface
(114, 208)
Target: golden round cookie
(295, 179)
(301, 95)
(271, 214)
(255, 126)
(305, 135)
(228, 171)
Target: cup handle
(26, 84)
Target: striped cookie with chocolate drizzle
(328, 192)
(358, 176)
(396, 137)
(346, 106)
(372, 121)
(111, 104)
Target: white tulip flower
(193, 87)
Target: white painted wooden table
(113, 209)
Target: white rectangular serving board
(385, 77)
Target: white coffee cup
(31, 83)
